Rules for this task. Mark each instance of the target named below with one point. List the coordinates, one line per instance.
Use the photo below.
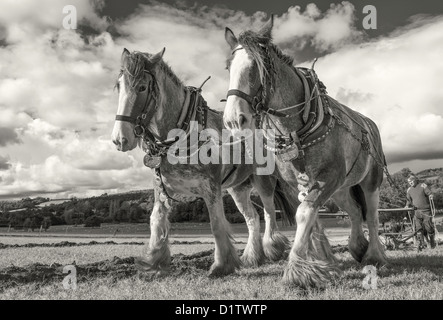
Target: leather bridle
(137, 120)
(257, 102)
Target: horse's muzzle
(121, 144)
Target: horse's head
(138, 92)
(250, 80)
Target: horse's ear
(125, 53)
(230, 38)
(267, 28)
(157, 57)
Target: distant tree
(16, 220)
(93, 221)
(121, 216)
(136, 213)
(27, 224)
(67, 216)
(46, 223)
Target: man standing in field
(418, 197)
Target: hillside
(136, 206)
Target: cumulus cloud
(58, 104)
(394, 83)
(323, 31)
(8, 136)
(59, 177)
(4, 164)
(30, 19)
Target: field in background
(31, 267)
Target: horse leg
(226, 259)
(358, 245)
(319, 245)
(275, 244)
(305, 268)
(375, 254)
(157, 256)
(253, 254)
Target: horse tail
(287, 208)
(358, 195)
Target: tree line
(136, 207)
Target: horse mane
(138, 62)
(258, 45)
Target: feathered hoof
(276, 246)
(145, 265)
(217, 271)
(309, 274)
(358, 248)
(252, 259)
(231, 263)
(378, 260)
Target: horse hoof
(220, 271)
(275, 247)
(252, 261)
(358, 248)
(143, 264)
(309, 274)
(375, 260)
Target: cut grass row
(411, 276)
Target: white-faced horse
(323, 148)
(152, 103)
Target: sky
(58, 102)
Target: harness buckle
(139, 131)
(257, 105)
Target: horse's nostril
(116, 142)
(242, 120)
(227, 124)
(124, 141)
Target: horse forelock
(136, 63)
(260, 47)
(133, 67)
(254, 45)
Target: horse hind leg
(156, 256)
(375, 254)
(348, 199)
(275, 244)
(253, 254)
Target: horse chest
(185, 179)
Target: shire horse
(323, 149)
(152, 103)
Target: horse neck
(288, 91)
(170, 103)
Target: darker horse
(323, 148)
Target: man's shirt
(418, 196)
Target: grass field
(31, 268)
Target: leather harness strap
(125, 118)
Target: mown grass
(21, 257)
(411, 276)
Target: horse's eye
(142, 88)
